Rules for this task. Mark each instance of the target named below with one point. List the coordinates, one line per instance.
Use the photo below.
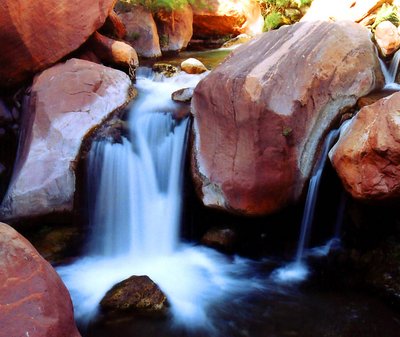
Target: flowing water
(134, 196)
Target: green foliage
(281, 12)
(156, 5)
(387, 13)
(272, 21)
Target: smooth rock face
(141, 31)
(219, 18)
(67, 102)
(387, 38)
(137, 293)
(367, 155)
(36, 34)
(175, 28)
(33, 300)
(183, 95)
(260, 117)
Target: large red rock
(36, 34)
(367, 155)
(261, 116)
(232, 17)
(387, 38)
(67, 102)
(175, 28)
(33, 300)
(141, 31)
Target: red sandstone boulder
(33, 300)
(36, 34)
(68, 101)
(387, 38)
(367, 155)
(114, 26)
(218, 18)
(141, 31)
(261, 116)
(175, 28)
(114, 52)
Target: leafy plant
(387, 13)
(280, 12)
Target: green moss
(387, 13)
(273, 20)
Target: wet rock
(193, 66)
(15, 113)
(175, 28)
(28, 45)
(238, 40)
(367, 155)
(373, 97)
(166, 69)
(5, 114)
(34, 301)
(114, 52)
(220, 238)
(183, 95)
(141, 31)
(260, 117)
(220, 18)
(67, 102)
(135, 294)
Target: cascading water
(391, 73)
(297, 270)
(135, 190)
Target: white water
(391, 73)
(135, 195)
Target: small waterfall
(391, 73)
(297, 270)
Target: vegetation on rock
(282, 12)
(387, 13)
(156, 5)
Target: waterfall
(297, 270)
(391, 73)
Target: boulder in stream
(36, 34)
(260, 117)
(33, 300)
(135, 294)
(367, 155)
(67, 103)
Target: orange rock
(219, 18)
(261, 116)
(367, 155)
(114, 52)
(33, 300)
(36, 34)
(175, 28)
(387, 38)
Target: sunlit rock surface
(66, 103)
(220, 18)
(367, 155)
(260, 117)
(33, 300)
(175, 28)
(36, 34)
